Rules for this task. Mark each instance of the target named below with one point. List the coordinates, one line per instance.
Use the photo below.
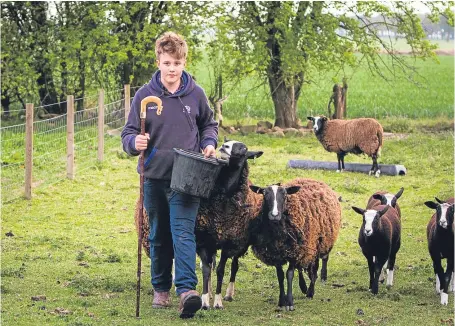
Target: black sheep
(380, 240)
(440, 243)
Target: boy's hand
(209, 151)
(141, 142)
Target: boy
(186, 122)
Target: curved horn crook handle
(151, 99)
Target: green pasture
(429, 96)
(70, 254)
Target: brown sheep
(385, 198)
(297, 229)
(355, 136)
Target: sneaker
(190, 302)
(161, 300)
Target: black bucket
(193, 174)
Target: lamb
(440, 238)
(357, 136)
(380, 240)
(385, 198)
(299, 224)
(223, 221)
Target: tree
(289, 42)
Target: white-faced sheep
(440, 238)
(385, 198)
(357, 136)
(299, 225)
(224, 220)
(380, 240)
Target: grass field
(368, 95)
(75, 244)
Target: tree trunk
(284, 99)
(5, 103)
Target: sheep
(440, 238)
(380, 240)
(357, 136)
(299, 224)
(223, 220)
(385, 198)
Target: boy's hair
(173, 44)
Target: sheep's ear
(292, 190)
(323, 118)
(399, 193)
(310, 118)
(378, 197)
(384, 210)
(431, 204)
(225, 139)
(439, 200)
(358, 210)
(252, 154)
(257, 189)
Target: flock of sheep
(298, 222)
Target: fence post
(28, 149)
(127, 101)
(70, 137)
(101, 125)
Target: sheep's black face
(233, 149)
(318, 123)
(370, 220)
(444, 216)
(275, 201)
(444, 213)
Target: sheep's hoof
(228, 298)
(444, 298)
(218, 307)
(289, 308)
(338, 171)
(371, 172)
(205, 307)
(377, 174)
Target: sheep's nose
(368, 232)
(443, 224)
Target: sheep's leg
(302, 283)
(280, 275)
(447, 277)
(380, 261)
(439, 271)
(375, 168)
(289, 278)
(325, 260)
(234, 269)
(218, 302)
(340, 157)
(313, 275)
(371, 270)
(390, 269)
(206, 279)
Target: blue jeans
(172, 218)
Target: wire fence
(50, 144)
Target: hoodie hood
(157, 87)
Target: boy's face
(171, 69)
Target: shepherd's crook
(144, 102)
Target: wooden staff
(144, 102)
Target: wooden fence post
(70, 137)
(101, 125)
(28, 150)
(127, 101)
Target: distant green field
(368, 95)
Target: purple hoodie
(186, 122)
